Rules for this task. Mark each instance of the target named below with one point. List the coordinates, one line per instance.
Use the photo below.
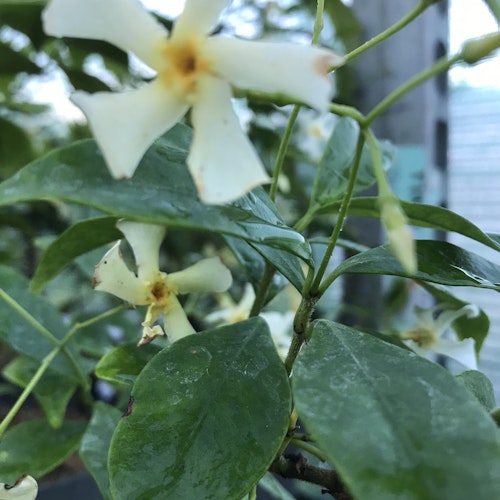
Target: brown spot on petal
(323, 64)
(95, 282)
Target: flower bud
(479, 48)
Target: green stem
(404, 21)
(260, 297)
(439, 66)
(44, 332)
(48, 360)
(315, 288)
(309, 448)
(343, 110)
(280, 157)
(318, 22)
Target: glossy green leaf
(75, 241)
(464, 327)
(422, 215)
(35, 448)
(480, 386)
(334, 168)
(220, 413)
(94, 447)
(438, 262)
(24, 338)
(160, 192)
(394, 425)
(53, 392)
(122, 364)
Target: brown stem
(296, 466)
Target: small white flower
(315, 130)
(280, 324)
(25, 488)
(427, 336)
(194, 71)
(152, 287)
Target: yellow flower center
(423, 337)
(160, 293)
(184, 63)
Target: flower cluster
(152, 287)
(194, 70)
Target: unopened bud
(479, 48)
(400, 237)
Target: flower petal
(462, 351)
(198, 17)
(207, 275)
(124, 23)
(25, 488)
(447, 317)
(175, 321)
(145, 241)
(113, 276)
(299, 71)
(125, 124)
(222, 160)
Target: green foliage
(209, 415)
(418, 441)
(221, 403)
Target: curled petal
(25, 488)
(145, 240)
(124, 23)
(299, 71)
(222, 160)
(199, 17)
(125, 124)
(447, 317)
(175, 321)
(113, 276)
(207, 275)
(461, 351)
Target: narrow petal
(145, 241)
(124, 23)
(447, 317)
(462, 351)
(222, 160)
(113, 276)
(175, 321)
(298, 71)
(207, 275)
(125, 124)
(199, 17)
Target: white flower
(151, 286)
(315, 131)
(280, 324)
(194, 71)
(25, 488)
(427, 336)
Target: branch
(296, 466)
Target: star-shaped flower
(152, 287)
(427, 336)
(194, 71)
(25, 488)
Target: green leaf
(220, 413)
(15, 147)
(160, 192)
(122, 364)
(438, 262)
(480, 386)
(35, 448)
(464, 327)
(394, 425)
(75, 241)
(95, 443)
(274, 488)
(332, 176)
(24, 338)
(347, 26)
(53, 392)
(422, 215)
